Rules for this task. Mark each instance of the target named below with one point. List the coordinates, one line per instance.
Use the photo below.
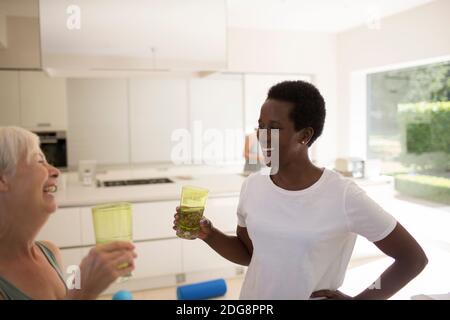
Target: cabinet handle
(44, 124)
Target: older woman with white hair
(31, 269)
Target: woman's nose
(54, 172)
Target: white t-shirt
(303, 240)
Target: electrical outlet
(239, 271)
(180, 277)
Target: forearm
(229, 247)
(77, 294)
(392, 280)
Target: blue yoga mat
(202, 290)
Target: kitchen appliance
(350, 167)
(87, 170)
(54, 147)
(133, 182)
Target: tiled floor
(428, 222)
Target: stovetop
(133, 182)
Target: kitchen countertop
(220, 181)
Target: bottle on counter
(87, 177)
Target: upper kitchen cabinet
(43, 101)
(19, 34)
(32, 100)
(139, 35)
(9, 98)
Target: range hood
(133, 37)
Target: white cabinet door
(190, 34)
(9, 98)
(43, 101)
(157, 258)
(216, 116)
(223, 213)
(87, 227)
(162, 34)
(152, 220)
(98, 121)
(63, 228)
(157, 108)
(198, 256)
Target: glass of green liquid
(193, 201)
(113, 222)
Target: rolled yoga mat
(202, 290)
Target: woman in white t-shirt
(297, 226)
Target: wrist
(210, 237)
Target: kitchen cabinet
(155, 258)
(152, 220)
(9, 98)
(32, 100)
(158, 258)
(223, 213)
(63, 228)
(162, 35)
(19, 35)
(198, 256)
(158, 107)
(161, 255)
(179, 38)
(43, 101)
(98, 121)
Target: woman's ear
(306, 135)
(3, 183)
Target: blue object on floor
(122, 295)
(202, 290)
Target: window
(408, 128)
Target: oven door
(56, 153)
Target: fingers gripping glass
(193, 201)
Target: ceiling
(310, 15)
(313, 15)
(114, 29)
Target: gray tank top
(10, 292)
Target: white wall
(259, 53)
(417, 34)
(97, 121)
(157, 108)
(309, 53)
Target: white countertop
(220, 181)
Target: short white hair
(15, 143)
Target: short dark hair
(309, 105)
